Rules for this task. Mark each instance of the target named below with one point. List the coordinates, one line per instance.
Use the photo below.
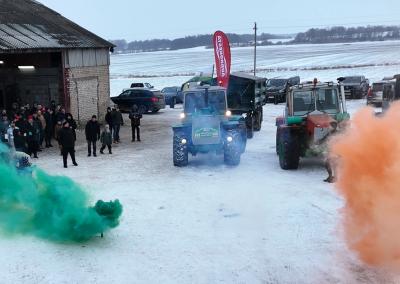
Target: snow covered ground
(207, 223)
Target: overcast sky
(138, 20)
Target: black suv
(146, 100)
(277, 88)
(355, 87)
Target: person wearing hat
(19, 141)
(92, 132)
(135, 116)
(66, 138)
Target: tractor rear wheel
(250, 126)
(289, 149)
(258, 120)
(277, 140)
(180, 151)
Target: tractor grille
(206, 130)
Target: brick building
(45, 57)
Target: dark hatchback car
(146, 100)
(171, 95)
(375, 94)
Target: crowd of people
(31, 129)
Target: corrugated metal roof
(27, 24)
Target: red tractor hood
(318, 121)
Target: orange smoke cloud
(369, 181)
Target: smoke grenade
(369, 180)
(49, 207)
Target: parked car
(391, 92)
(375, 92)
(142, 85)
(278, 87)
(355, 87)
(171, 95)
(146, 100)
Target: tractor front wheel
(289, 149)
(232, 150)
(180, 150)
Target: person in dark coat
(92, 132)
(19, 141)
(60, 115)
(4, 123)
(32, 137)
(49, 129)
(135, 116)
(72, 123)
(37, 124)
(66, 138)
(57, 129)
(106, 139)
(118, 121)
(109, 119)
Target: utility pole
(255, 48)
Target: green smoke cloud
(50, 207)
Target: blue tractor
(208, 126)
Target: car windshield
(196, 101)
(352, 80)
(137, 85)
(377, 87)
(328, 101)
(169, 90)
(276, 82)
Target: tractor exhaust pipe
(342, 93)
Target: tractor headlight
(182, 115)
(229, 139)
(228, 113)
(184, 141)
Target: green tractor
(208, 126)
(313, 112)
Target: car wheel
(173, 103)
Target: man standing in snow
(118, 121)
(32, 137)
(92, 131)
(66, 138)
(135, 117)
(109, 119)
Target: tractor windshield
(197, 101)
(324, 100)
(303, 102)
(328, 101)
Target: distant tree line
(342, 34)
(189, 42)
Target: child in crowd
(106, 139)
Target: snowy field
(207, 223)
(327, 62)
